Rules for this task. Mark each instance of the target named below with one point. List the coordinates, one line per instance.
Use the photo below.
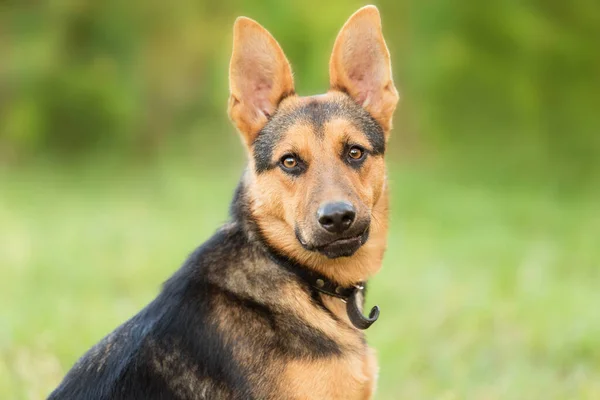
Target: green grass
(489, 291)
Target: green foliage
(510, 79)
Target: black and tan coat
(233, 322)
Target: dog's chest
(351, 376)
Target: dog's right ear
(259, 77)
(360, 66)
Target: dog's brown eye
(289, 162)
(355, 153)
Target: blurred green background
(117, 159)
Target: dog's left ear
(360, 66)
(260, 76)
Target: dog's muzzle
(338, 247)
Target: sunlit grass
(487, 292)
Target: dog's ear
(259, 77)
(360, 65)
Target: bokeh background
(117, 159)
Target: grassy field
(489, 291)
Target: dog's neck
(320, 285)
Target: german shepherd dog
(270, 306)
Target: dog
(271, 306)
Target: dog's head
(316, 179)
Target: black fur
(178, 347)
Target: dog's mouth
(342, 247)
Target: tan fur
(350, 377)
(360, 65)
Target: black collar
(320, 283)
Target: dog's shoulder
(173, 347)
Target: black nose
(336, 217)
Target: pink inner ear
(364, 69)
(360, 86)
(362, 96)
(260, 97)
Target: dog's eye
(289, 162)
(292, 164)
(355, 153)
